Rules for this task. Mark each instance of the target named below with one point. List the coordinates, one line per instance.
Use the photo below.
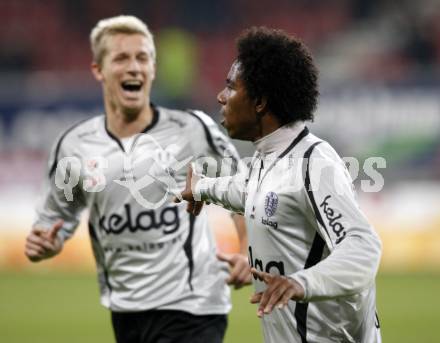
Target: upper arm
(58, 201)
(331, 195)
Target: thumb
(55, 228)
(224, 257)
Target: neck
(268, 124)
(125, 125)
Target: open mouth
(132, 85)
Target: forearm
(348, 270)
(240, 226)
(227, 192)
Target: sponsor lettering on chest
(166, 219)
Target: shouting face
(126, 73)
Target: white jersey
(150, 253)
(303, 222)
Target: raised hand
(279, 291)
(42, 244)
(240, 271)
(193, 206)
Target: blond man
(157, 265)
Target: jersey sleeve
(227, 191)
(53, 204)
(353, 245)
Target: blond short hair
(120, 24)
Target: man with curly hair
(313, 254)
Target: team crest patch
(270, 204)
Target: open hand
(193, 206)
(279, 291)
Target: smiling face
(126, 73)
(238, 110)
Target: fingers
(33, 256)
(34, 249)
(245, 277)
(272, 296)
(240, 273)
(33, 252)
(224, 257)
(262, 276)
(280, 290)
(39, 240)
(288, 295)
(55, 228)
(256, 297)
(41, 244)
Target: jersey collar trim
(152, 124)
(155, 119)
(281, 139)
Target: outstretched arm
(227, 191)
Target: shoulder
(70, 137)
(199, 126)
(79, 130)
(323, 162)
(204, 119)
(193, 119)
(316, 148)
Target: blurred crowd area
(379, 63)
(368, 39)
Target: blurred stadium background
(380, 96)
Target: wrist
(300, 292)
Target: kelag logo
(333, 220)
(272, 267)
(116, 224)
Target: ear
(261, 105)
(96, 71)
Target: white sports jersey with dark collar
(303, 222)
(150, 253)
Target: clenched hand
(42, 244)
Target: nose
(133, 66)
(221, 97)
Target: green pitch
(62, 307)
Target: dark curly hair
(279, 67)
